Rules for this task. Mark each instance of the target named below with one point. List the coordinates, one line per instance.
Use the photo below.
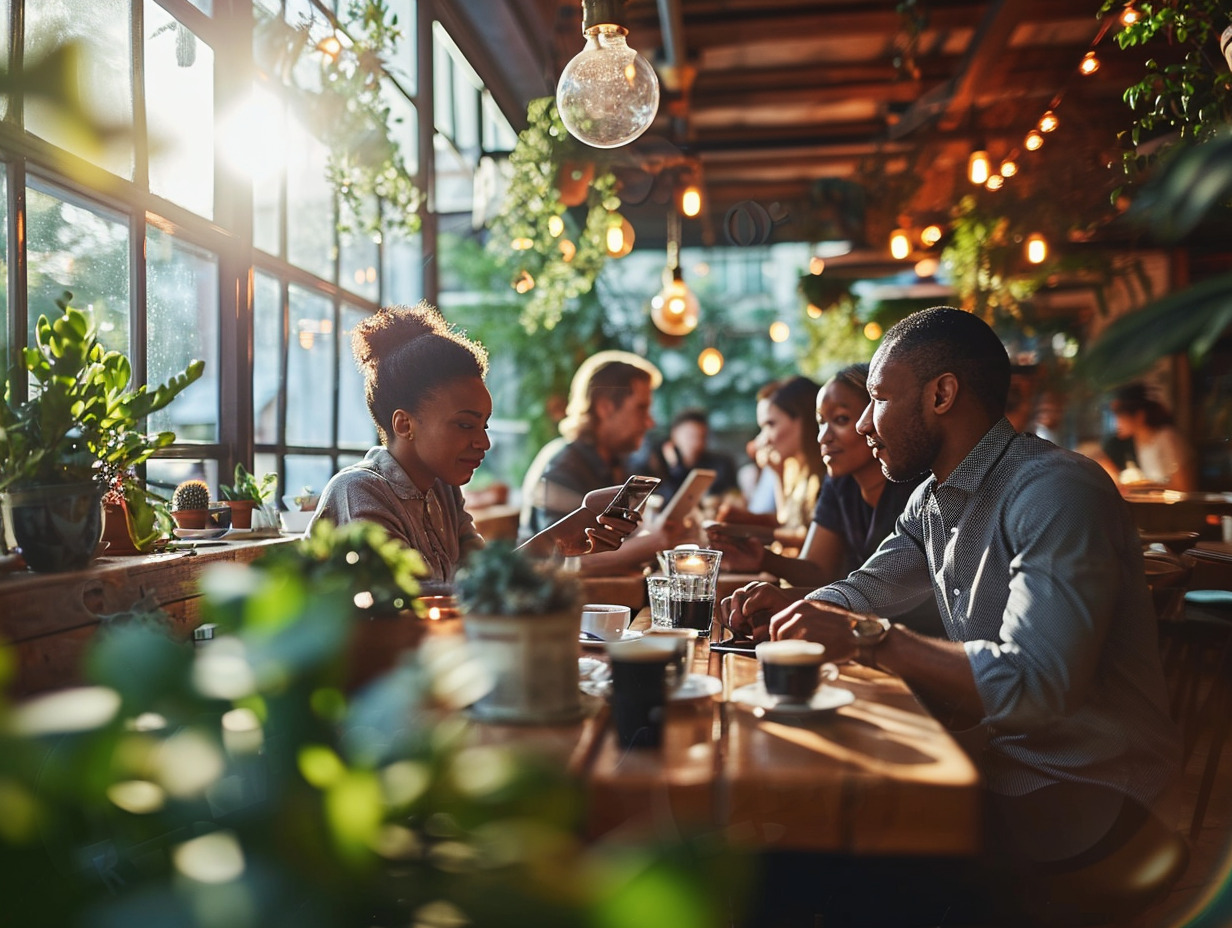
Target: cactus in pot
(190, 504)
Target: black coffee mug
(639, 691)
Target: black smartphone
(631, 497)
(735, 646)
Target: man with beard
(1050, 668)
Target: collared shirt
(377, 489)
(559, 478)
(1036, 566)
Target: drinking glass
(693, 575)
(660, 604)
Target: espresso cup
(681, 663)
(639, 690)
(792, 669)
(605, 621)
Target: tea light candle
(439, 607)
(693, 564)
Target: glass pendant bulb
(608, 94)
(674, 310)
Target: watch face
(872, 630)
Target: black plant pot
(57, 527)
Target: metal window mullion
(425, 110)
(19, 314)
(141, 147)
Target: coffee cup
(793, 669)
(605, 621)
(680, 665)
(639, 689)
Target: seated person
(857, 508)
(685, 448)
(1162, 455)
(607, 417)
(423, 380)
(787, 416)
(1050, 664)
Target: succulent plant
(191, 494)
(498, 580)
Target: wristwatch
(869, 631)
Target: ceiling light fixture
(931, 235)
(816, 265)
(994, 182)
(780, 331)
(710, 361)
(608, 94)
(1037, 248)
(926, 267)
(900, 244)
(674, 310)
(620, 237)
(1129, 15)
(978, 165)
(1009, 168)
(691, 200)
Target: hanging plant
(553, 255)
(345, 109)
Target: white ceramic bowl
(294, 523)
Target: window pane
(182, 320)
(498, 135)
(310, 370)
(442, 81)
(5, 33)
(163, 475)
(403, 125)
(263, 157)
(307, 470)
(82, 250)
(402, 269)
(310, 206)
(402, 65)
(466, 105)
(455, 179)
(355, 428)
(358, 255)
(179, 96)
(205, 6)
(105, 79)
(267, 350)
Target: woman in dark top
(857, 507)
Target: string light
(930, 235)
(813, 310)
(926, 267)
(1129, 15)
(710, 361)
(1009, 168)
(872, 331)
(994, 182)
(556, 226)
(978, 166)
(1034, 141)
(1090, 64)
(816, 266)
(525, 283)
(691, 201)
(1037, 248)
(779, 331)
(620, 238)
(900, 245)
(1049, 122)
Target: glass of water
(658, 589)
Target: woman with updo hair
(1162, 455)
(423, 382)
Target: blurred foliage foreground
(235, 784)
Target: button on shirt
(1037, 567)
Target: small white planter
(533, 660)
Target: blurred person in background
(1161, 454)
(686, 448)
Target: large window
(201, 223)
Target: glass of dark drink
(792, 670)
(693, 575)
(639, 689)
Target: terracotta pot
(533, 661)
(573, 181)
(191, 518)
(241, 512)
(115, 530)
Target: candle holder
(439, 608)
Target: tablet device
(688, 496)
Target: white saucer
(200, 534)
(826, 699)
(698, 686)
(629, 635)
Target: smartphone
(631, 497)
(735, 646)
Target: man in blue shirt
(1050, 666)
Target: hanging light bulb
(900, 244)
(674, 309)
(620, 239)
(816, 265)
(978, 167)
(780, 331)
(813, 310)
(1129, 15)
(930, 235)
(926, 267)
(608, 94)
(710, 361)
(524, 283)
(691, 201)
(872, 331)
(1008, 168)
(330, 46)
(1049, 122)
(994, 182)
(1034, 141)
(1037, 248)
(1089, 63)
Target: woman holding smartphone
(424, 385)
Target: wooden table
(1157, 510)
(1212, 565)
(877, 777)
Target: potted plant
(523, 619)
(245, 494)
(77, 436)
(190, 504)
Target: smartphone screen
(632, 496)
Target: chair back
(1168, 576)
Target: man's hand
(747, 611)
(816, 621)
(739, 554)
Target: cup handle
(829, 672)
